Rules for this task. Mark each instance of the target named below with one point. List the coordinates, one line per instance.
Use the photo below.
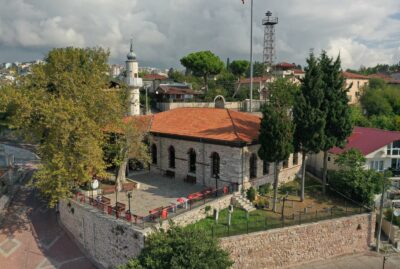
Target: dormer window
(394, 148)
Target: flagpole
(251, 57)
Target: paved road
(31, 238)
(368, 260)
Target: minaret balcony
(135, 82)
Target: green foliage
(308, 112)
(375, 103)
(264, 189)
(258, 70)
(251, 194)
(389, 215)
(203, 64)
(338, 115)
(239, 67)
(176, 76)
(226, 81)
(276, 130)
(376, 83)
(354, 181)
(358, 118)
(63, 107)
(180, 248)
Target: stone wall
(199, 213)
(303, 243)
(108, 241)
(394, 231)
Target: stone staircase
(240, 201)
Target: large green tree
(180, 248)
(354, 181)
(203, 64)
(63, 106)
(308, 115)
(239, 67)
(276, 128)
(338, 122)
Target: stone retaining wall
(303, 243)
(109, 242)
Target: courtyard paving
(368, 260)
(154, 191)
(30, 237)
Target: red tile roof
(368, 140)
(154, 77)
(285, 65)
(386, 78)
(207, 123)
(350, 75)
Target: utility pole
(251, 57)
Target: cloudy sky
(365, 32)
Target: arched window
(171, 157)
(253, 166)
(154, 154)
(192, 160)
(265, 167)
(214, 164)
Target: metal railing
(267, 223)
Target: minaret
(134, 83)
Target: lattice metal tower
(269, 41)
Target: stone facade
(234, 162)
(109, 242)
(303, 243)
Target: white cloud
(164, 31)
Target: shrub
(180, 248)
(251, 194)
(264, 189)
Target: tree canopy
(180, 248)
(239, 67)
(353, 180)
(338, 124)
(203, 64)
(276, 128)
(63, 106)
(308, 114)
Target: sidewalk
(368, 260)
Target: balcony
(135, 82)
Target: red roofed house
(152, 81)
(381, 149)
(358, 83)
(196, 144)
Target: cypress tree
(276, 128)
(337, 111)
(308, 115)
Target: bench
(129, 186)
(108, 189)
(169, 173)
(155, 213)
(190, 179)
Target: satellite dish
(95, 184)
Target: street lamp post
(129, 201)
(251, 56)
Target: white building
(210, 146)
(381, 149)
(134, 82)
